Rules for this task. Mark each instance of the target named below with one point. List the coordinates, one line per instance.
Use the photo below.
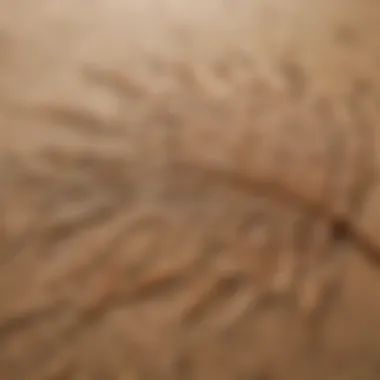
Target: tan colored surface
(189, 190)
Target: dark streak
(340, 231)
(114, 80)
(346, 36)
(276, 191)
(79, 120)
(25, 319)
(365, 172)
(296, 78)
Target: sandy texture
(189, 190)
